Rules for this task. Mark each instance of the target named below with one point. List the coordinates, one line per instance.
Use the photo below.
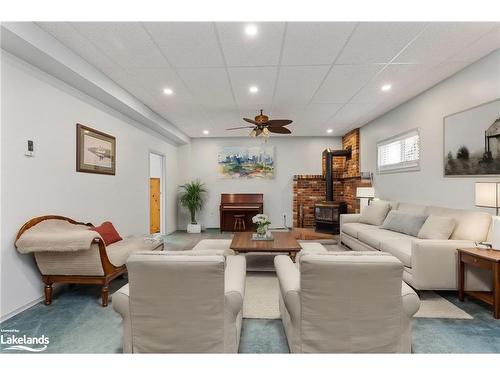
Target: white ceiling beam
(29, 42)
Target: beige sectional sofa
(429, 264)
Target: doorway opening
(156, 193)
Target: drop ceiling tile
(187, 44)
(210, 86)
(67, 35)
(127, 43)
(344, 81)
(311, 43)
(481, 47)
(297, 85)
(442, 40)
(378, 42)
(399, 76)
(350, 113)
(260, 50)
(263, 78)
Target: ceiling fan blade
(274, 123)
(241, 127)
(251, 121)
(279, 130)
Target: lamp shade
(365, 192)
(487, 194)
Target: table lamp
(365, 195)
(487, 195)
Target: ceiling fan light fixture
(253, 133)
(265, 132)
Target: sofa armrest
(234, 283)
(121, 304)
(434, 263)
(349, 218)
(411, 302)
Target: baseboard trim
(20, 309)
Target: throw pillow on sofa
(402, 222)
(375, 213)
(437, 228)
(107, 232)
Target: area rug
(432, 305)
(262, 290)
(261, 296)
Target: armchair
(339, 302)
(182, 303)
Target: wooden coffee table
(284, 242)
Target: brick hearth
(311, 189)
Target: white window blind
(400, 153)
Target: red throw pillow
(107, 232)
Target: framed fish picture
(95, 151)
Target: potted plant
(193, 197)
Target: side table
(486, 259)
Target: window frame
(410, 166)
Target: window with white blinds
(400, 153)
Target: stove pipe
(329, 154)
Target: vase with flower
(262, 222)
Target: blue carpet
(76, 323)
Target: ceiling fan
(262, 125)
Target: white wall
(476, 84)
(299, 155)
(36, 106)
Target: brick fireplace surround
(311, 189)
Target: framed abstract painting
(246, 162)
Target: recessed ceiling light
(251, 30)
(386, 87)
(329, 130)
(253, 89)
(206, 132)
(168, 91)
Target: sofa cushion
(118, 252)
(393, 205)
(470, 225)
(400, 247)
(374, 238)
(412, 208)
(375, 213)
(353, 229)
(402, 222)
(437, 228)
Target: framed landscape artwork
(472, 141)
(246, 162)
(95, 151)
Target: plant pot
(194, 228)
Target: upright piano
(242, 205)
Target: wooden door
(154, 205)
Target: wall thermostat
(30, 150)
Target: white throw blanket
(56, 235)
